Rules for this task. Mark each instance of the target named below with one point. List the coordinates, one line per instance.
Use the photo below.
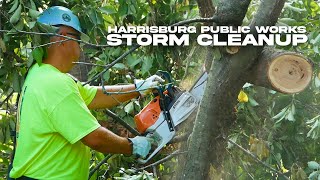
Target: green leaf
(290, 116)
(16, 82)
(288, 21)
(313, 165)
(253, 102)
(132, 61)
(47, 28)
(37, 54)
(33, 5)
(295, 9)
(314, 6)
(92, 16)
(313, 175)
(31, 24)
(146, 65)
(30, 60)
(14, 6)
(16, 15)
(3, 71)
(2, 45)
(129, 108)
(317, 81)
(108, 10)
(233, 138)
(314, 129)
(116, 52)
(123, 9)
(20, 25)
(315, 40)
(106, 75)
(33, 13)
(132, 10)
(63, 1)
(119, 66)
(281, 114)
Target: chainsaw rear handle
(160, 140)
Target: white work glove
(145, 86)
(140, 146)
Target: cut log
(286, 72)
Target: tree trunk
(215, 117)
(81, 71)
(286, 72)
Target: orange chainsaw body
(148, 115)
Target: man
(55, 127)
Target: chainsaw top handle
(168, 80)
(164, 75)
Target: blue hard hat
(58, 15)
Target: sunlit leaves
(108, 10)
(313, 165)
(286, 113)
(258, 147)
(315, 127)
(38, 54)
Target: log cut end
(289, 73)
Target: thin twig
(90, 64)
(188, 61)
(256, 158)
(108, 66)
(41, 45)
(7, 98)
(179, 138)
(154, 169)
(175, 153)
(212, 19)
(100, 164)
(122, 122)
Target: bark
(81, 71)
(286, 72)
(207, 10)
(232, 12)
(215, 117)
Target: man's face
(69, 48)
(74, 46)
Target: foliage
(280, 130)
(18, 51)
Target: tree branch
(212, 19)
(90, 64)
(256, 158)
(7, 98)
(175, 153)
(122, 122)
(100, 164)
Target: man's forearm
(102, 100)
(105, 141)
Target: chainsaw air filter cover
(148, 115)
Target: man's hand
(144, 86)
(140, 146)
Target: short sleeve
(87, 92)
(72, 119)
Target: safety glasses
(76, 35)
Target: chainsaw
(170, 107)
